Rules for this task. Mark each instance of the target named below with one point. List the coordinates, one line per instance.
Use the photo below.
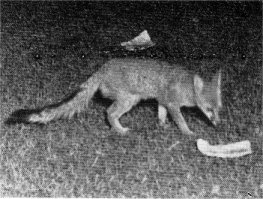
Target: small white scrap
(142, 41)
(232, 150)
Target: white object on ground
(141, 42)
(232, 150)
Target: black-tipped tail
(21, 116)
(75, 103)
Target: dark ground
(49, 48)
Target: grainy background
(49, 48)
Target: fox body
(127, 81)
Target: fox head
(208, 96)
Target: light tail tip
(20, 116)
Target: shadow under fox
(127, 81)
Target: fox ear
(217, 83)
(217, 79)
(198, 84)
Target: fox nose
(214, 122)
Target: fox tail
(75, 103)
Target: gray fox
(127, 81)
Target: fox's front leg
(177, 116)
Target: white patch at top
(142, 41)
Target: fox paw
(164, 125)
(188, 132)
(122, 131)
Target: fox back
(146, 78)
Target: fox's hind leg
(118, 108)
(162, 115)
